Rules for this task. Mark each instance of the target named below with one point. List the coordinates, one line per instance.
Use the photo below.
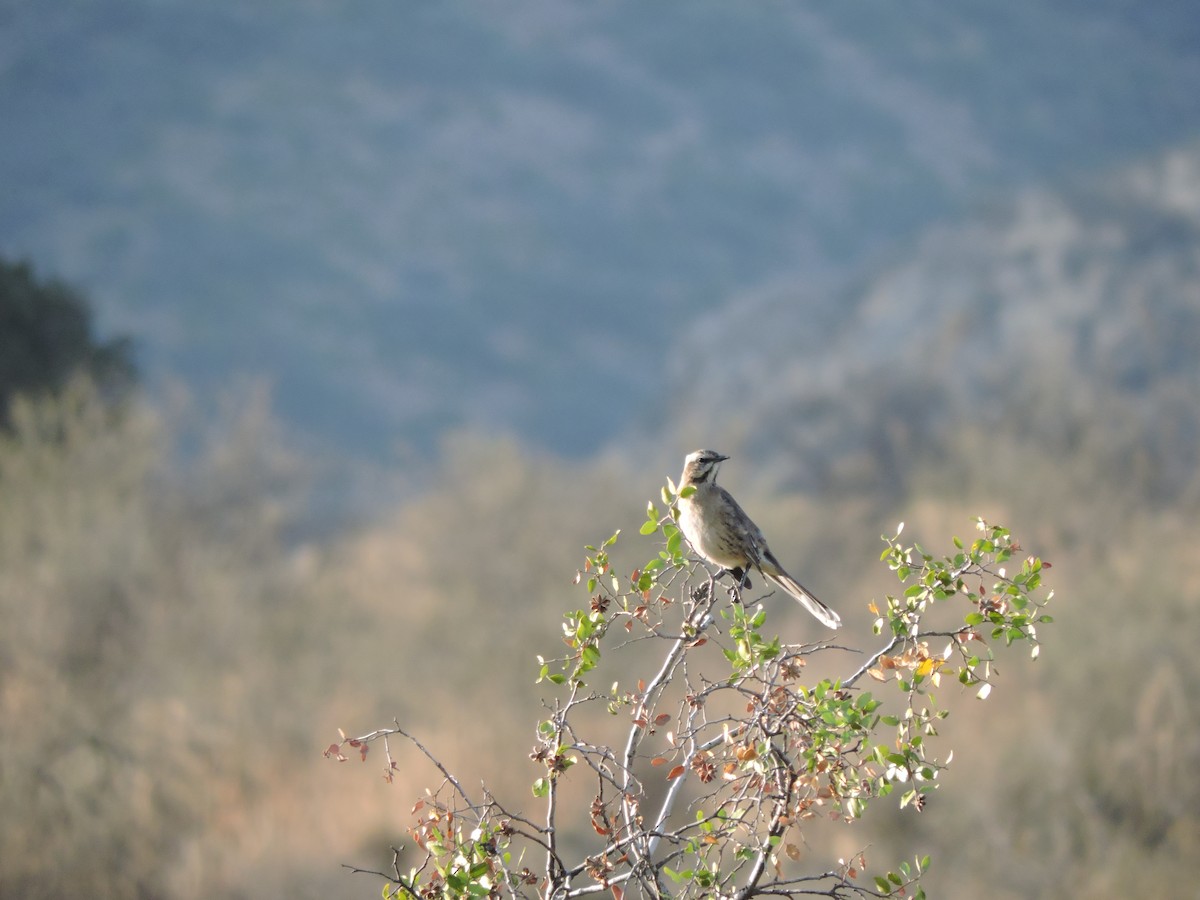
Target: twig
(396, 876)
(649, 700)
(555, 871)
(438, 763)
(871, 661)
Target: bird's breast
(707, 532)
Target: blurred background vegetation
(172, 663)
(371, 323)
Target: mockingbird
(720, 531)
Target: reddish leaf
(745, 752)
(662, 719)
(675, 773)
(658, 761)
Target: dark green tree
(47, 337)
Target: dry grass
(170, 667)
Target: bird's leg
(741, 581)
(741, 576)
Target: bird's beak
(721, 458)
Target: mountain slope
(1069, 317)
(412, 217)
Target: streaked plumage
(720, 531)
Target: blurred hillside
(913, 262)
(176, 667)
(1069, 318)
(177, 662)
(415, 217)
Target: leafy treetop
(727, 755)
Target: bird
(720, 531)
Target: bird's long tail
(804, 597)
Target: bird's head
(700, 466)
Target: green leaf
(882, 884)
(478, 870)
(541, 787)
(674, 541)
(649, 526)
